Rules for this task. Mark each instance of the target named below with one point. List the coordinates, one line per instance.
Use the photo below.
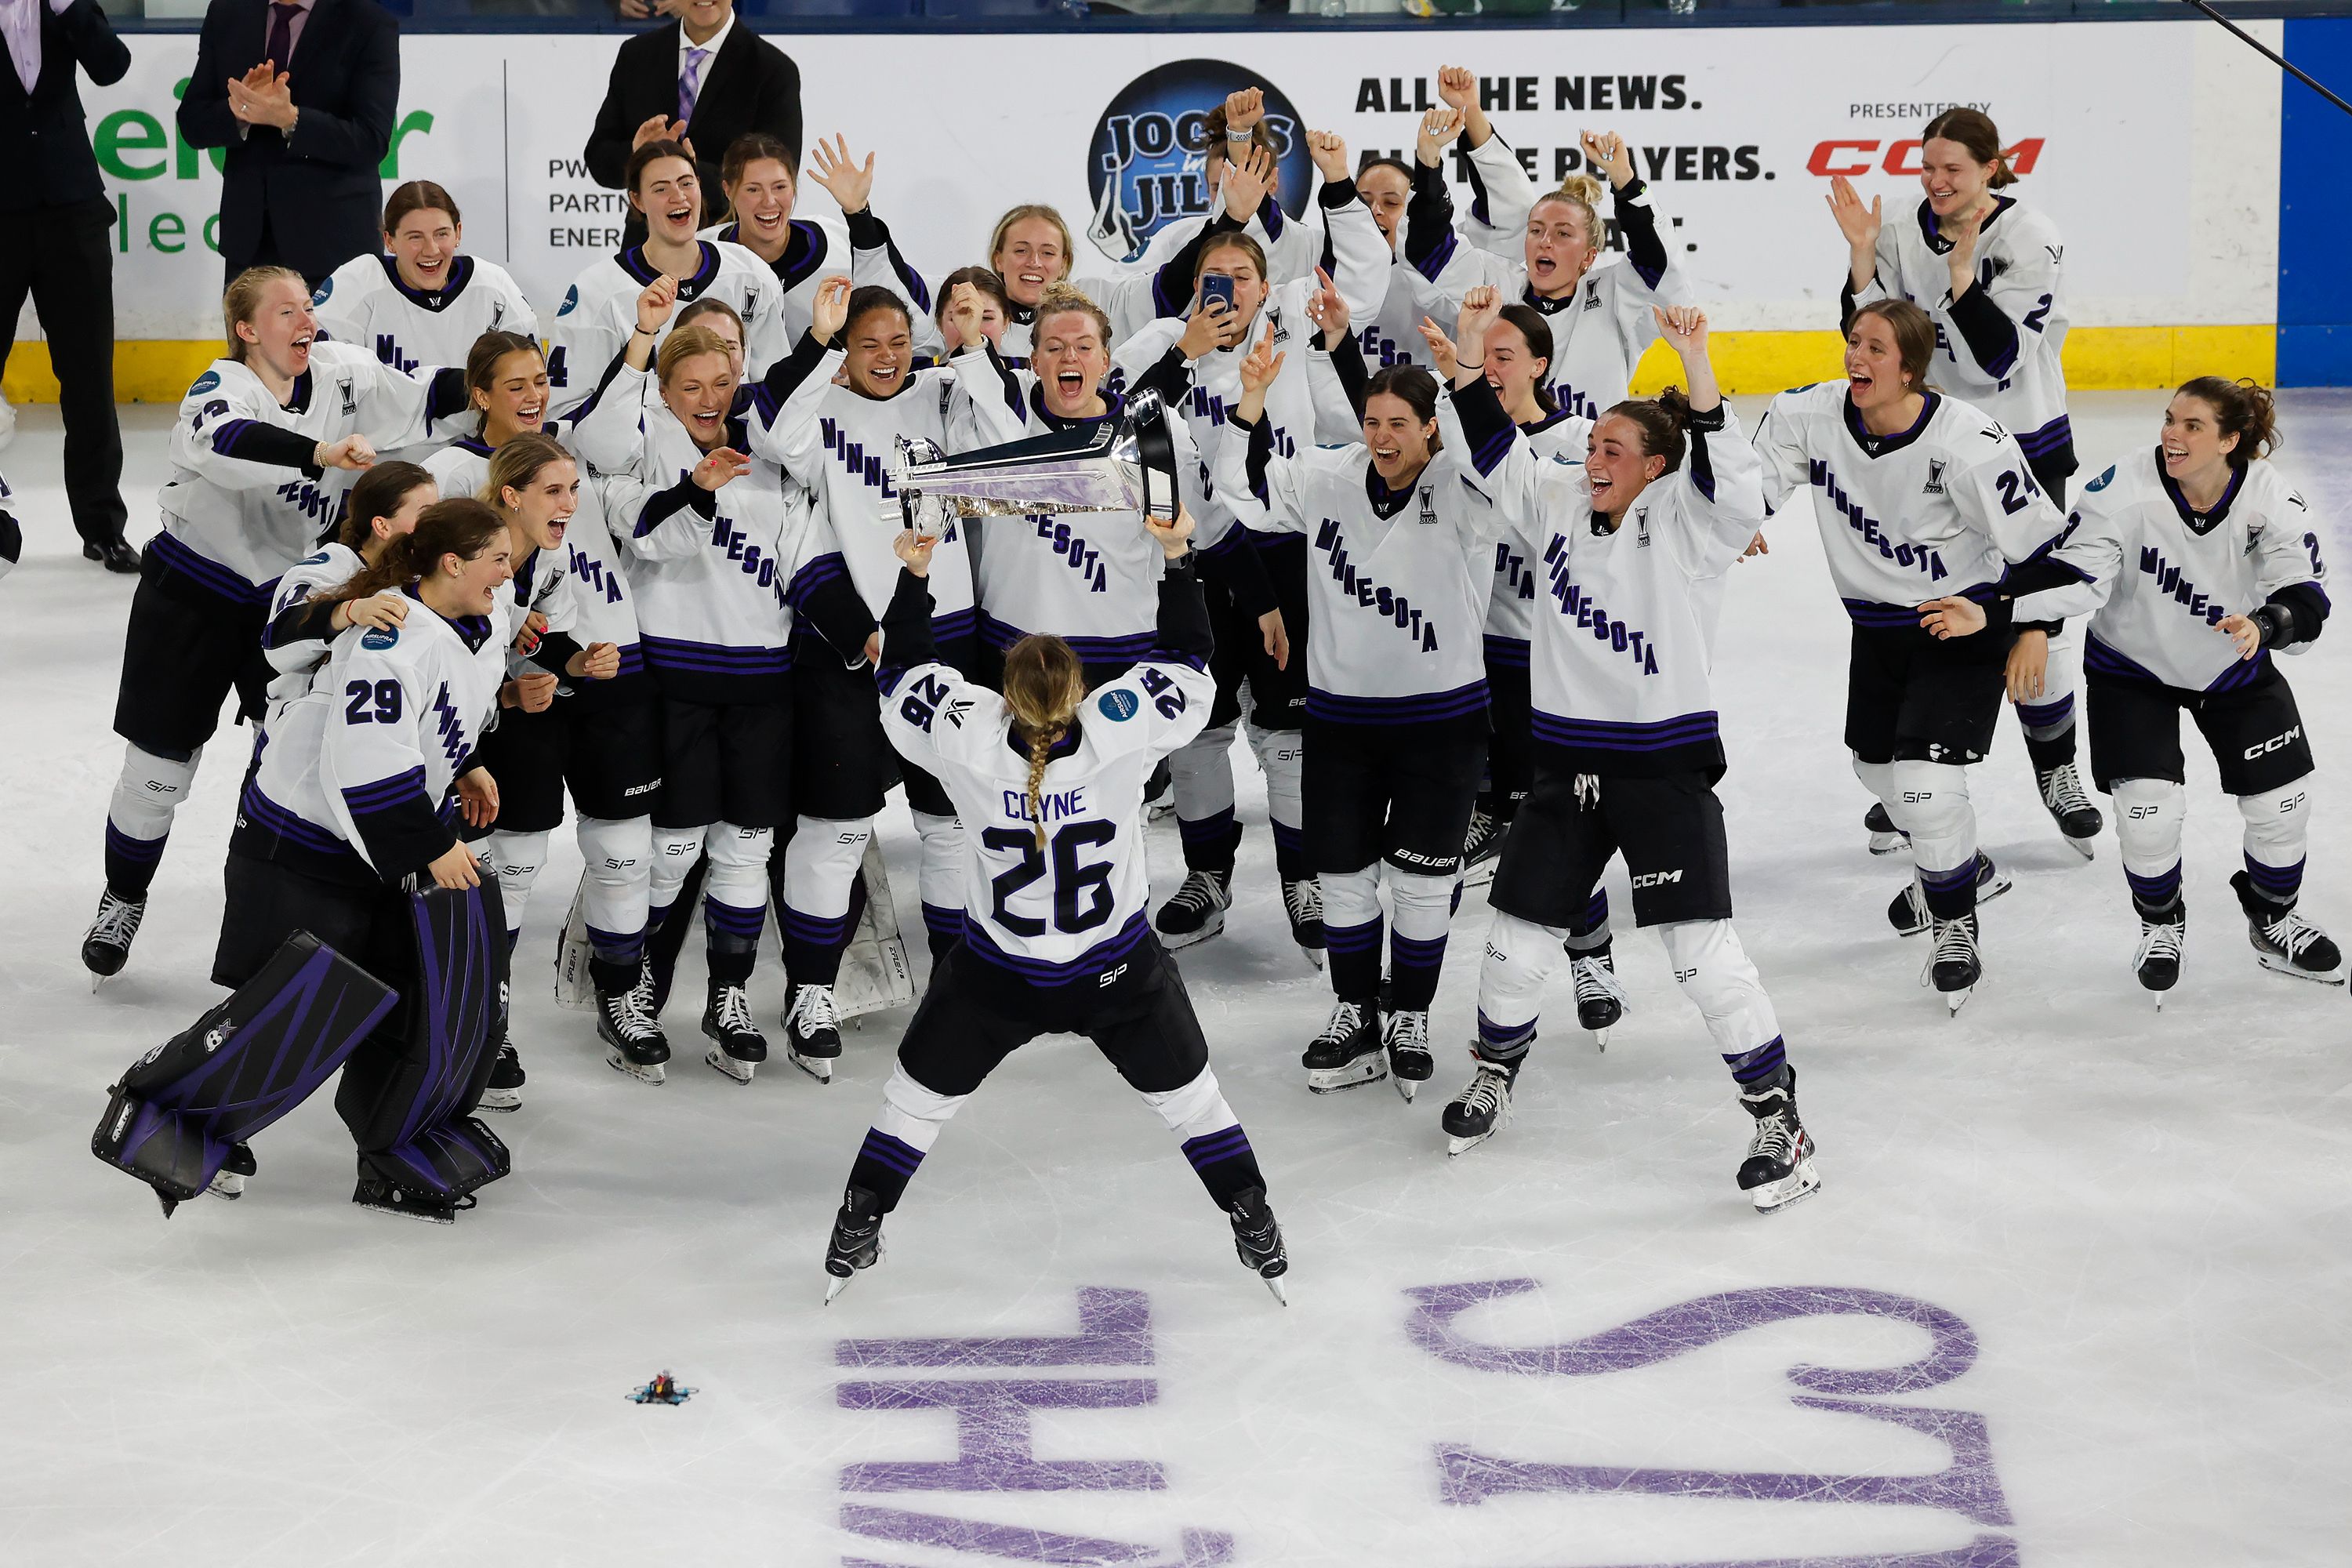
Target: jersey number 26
(1082, 896)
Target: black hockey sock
(1581, 936)
(1210, 843)
(2051, 746)
(1225, 1163)
(813, 946)
(1950, 894)
(1414, 966)
(944, 926)
(131, 863)
(611, 978)
(1290, 861)
(730, 961)
(884, 1167)
(1355, 957)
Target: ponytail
(460, 526)
(1044, 684)
(2242, 408)
(381, 491)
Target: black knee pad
(239, 1068)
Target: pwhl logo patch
(1145, 166)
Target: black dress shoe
(117, 554)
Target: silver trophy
(1128, 463)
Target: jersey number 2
(1082, 896)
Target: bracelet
(1459, 366)
(1234, 135)
(639, 332)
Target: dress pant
(61, 256)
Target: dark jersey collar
(1112, 403)
(1873, 446)
(1933, 234)
(1387, 502)
(472, 630)
(632, 262)
(461, 272)
(2195, 522)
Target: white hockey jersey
(357, 773)
(1501, 197)
(720, 577)
(1397, 582)
(598, 315)
(840, 444)
(1946, 507)
(1599, 331)
(1518, 554)
(2158, 578)
(1624, 628)
(1071, 909)
(363, 302)
(295, 639)
(1999, 350)
(242, 505)
(819, 247)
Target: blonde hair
(1061, 297)
(683, 344)
(1044, 684)
(1582, 192)
(516, 464)
(1022, 214)
(243, 297)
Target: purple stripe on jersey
(207, 574)
(1610, 735)
(1879, 616)
(940, 921)
(1090, 650)
(2054, 437)
(715, 659)
(1421, 706)
(954, 624)
(2243, 672)
(2097, 656)
(259, 808)
(1092, 962)
(1511, 653)
(812, 576)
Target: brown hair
(682, 344)
(1213, 135)
(1915, 335)
(1662, 421)
(516, 464)
(1582, 192)
(1530, 324)
(482, 359)
(1412, 383)
(711, 305)
(1973, 130)
(1241, 242)
(1044, 684)
(749, 149)
(654, 152)
(382, 490)
(873, 297)
(1022, 214)
(460, 526)
(418, 197)
(1059, 298)
(981, 278)
(243, 297)
(2242, 408)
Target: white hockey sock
(2148, 816)
(1420, 910)
(1196, 1110)
(1203, 773)
(676, 849)
(2052, 714)
(820, 869)
(517, 858)
(1930, 803)
(2278, 829)
(1878, 778)
(1351, 931)
(147, 793)
(1714, 972)
(620, 860)
(913, 1115)
(1281, 756)
(1519, 958)
(939, 874)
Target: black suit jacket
(752, 86)
(43, 141)
(318, 189)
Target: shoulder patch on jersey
(203, 384)
(570, 300)
(955, 711)
(2103, 481)
(326, 287)
(1119, 706)
(379, 638)
(318, 560)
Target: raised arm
(1259, 484)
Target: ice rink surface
(2072, 1292)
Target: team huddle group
(1458, 591)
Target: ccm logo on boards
(1901, 158)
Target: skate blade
(656, 1074)
(424, 1216)
(1478, 876)
(228, 1185)
(1457, 1147)
(1794, 1188)
(1314, 956)
(834, 1285)
(1405, 1086)
(2277, 965)
(818, 1068)
(499, 1099)
(1171, 940)
(1888, 844)
(741, 1072)
(2088, 848)
(1955, 1000)
(1601, 1040)
(1332, 1080)
(1274, 1283)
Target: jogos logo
(1147, 165)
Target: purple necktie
(689, 82)
(281, 35)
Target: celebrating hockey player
(424, 300)
(1050, 779)
(2195, 563)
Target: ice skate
(1348, 1052)
(857, 1241)
(1885, 838)
(2286, 942)
(2161, 934)
(1302, 902)
(2069, 807)
(813, 1031)
(386, 1197)
(1600, 1000)
(1778, 1170)
(1908, 913)
(627, 1023)
(504, 1090)
(229, 1181)
(737, 1048)
(106, 946)
(1196, 911)
(1482, 849)
(1257, 1240)
(1483, 1107)
(1406, 1041)
(1954, 967)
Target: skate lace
(1487, 1089)
(1303, 901)
(1956, 941)
(633, 1012)
(117, 922)
(1200, 892)
(1482, 826)
(814, 1008)
(2160, 941)
(1777, 1138)
(1346, 1019)
(1595, 979)
(2292, 934)
(731, 1009)
(1408, 1032)
(2062, 791)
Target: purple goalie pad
(239, 1068)
(408, 1101)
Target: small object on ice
(663, 1390)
